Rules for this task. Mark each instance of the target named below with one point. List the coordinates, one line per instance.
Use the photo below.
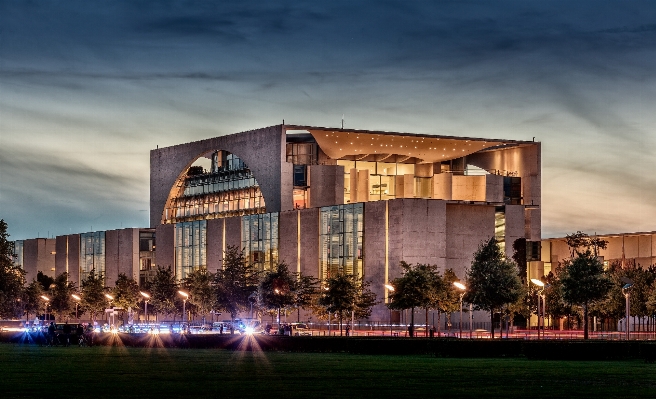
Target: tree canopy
(12, 278)
(235, 283)
(583, 282)
(492, 280)
(344, 293)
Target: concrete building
(325, 200)
(627, 248)
(129, 251)
(35, 255)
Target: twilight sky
(88, 88)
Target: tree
(126, 293)
(201, 293)
(92, 290)
(234, 284)
(32, 298)
(12, 278)
(417, 287)
(345, 294)
(448, 300)
(582, 240)
(583, 282)
(277, 289)
(492, 281)
(45, 280)
(163, 291)
(60, 292)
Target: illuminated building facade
(326, 200)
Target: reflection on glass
(259, 239)
(190, 247)
(341, 240)
(92, 254)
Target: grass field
(119, 372)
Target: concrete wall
(309, 241)
(39, 256)
(467, 227)
(165, 253)
(111, 257)
(288, 242)
(233, 232)
(121, 254)
(376, 269)
(74, 258)
(514, 226)
(215, 244)
(263, 150)
(326, 185)
(636, 247)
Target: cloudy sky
(88, 88)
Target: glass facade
(190, 247)
(227, 189)
(92, 253)
(259, 239)
(340, 240)
(18, 253)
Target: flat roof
(340, 143)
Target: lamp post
(146, 298)
(77, 302)
(390, 288)
(45, 298)
(541, 285)
(185, 296)
(625, 291)
(110, 299)
(462, 289)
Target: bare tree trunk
(426, 331)
(492, 322)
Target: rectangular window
(92, 254)
(18, 253)
(190, 247)
(259, 239)
(340, 241)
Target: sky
(88, 88)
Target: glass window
(341, 240)
(18, 253)
(405, 169)
(259, 239)
(92, 253)
(190, 247)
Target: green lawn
(118, 372)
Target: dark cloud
(134, 74)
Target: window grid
(341, 240)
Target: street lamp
(185, 296)
(390, 288)
(111, 299)
(45, 298)
(146, 298)
(77, 302)
(540, 284)
(462, 289)
(625, 290)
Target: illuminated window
(92, 254)
(340, 241)
(259, 239)
(190, 247)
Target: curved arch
(229, 188)
(263, 150)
